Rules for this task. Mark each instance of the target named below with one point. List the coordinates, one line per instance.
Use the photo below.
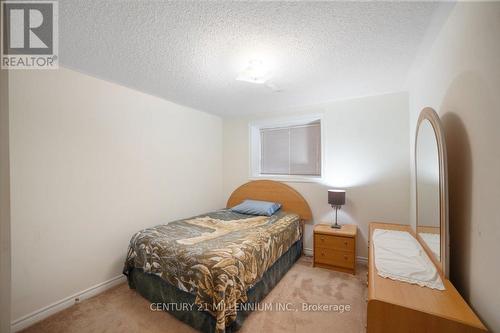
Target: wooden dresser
(395, 306)
(335, 248)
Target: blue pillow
(255, 207)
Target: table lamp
(336, 198)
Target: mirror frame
(433, 118)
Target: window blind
(293, 150)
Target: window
(287, 149)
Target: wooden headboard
(268, 190)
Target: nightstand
(335, 248)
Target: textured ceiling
(191, 52)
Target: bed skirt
(156, 290)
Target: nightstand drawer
(334, 242)
(333, 257)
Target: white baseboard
(38, 315)
(308, 252)
(361, 260)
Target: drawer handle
(322, 239)
(345, 257)
(345, 243)
(322, 254)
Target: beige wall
(366, 153)
(461, 79)
(4, 204)
(93, 162)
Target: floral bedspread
(217, 256)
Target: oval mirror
(431, 188)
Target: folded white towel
(399, 256)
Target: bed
(208, 270)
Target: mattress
(216, 257)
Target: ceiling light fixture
(257, 72)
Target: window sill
(286, 178)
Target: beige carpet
(123, 310)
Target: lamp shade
(336, 197)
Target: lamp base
(336, 225)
